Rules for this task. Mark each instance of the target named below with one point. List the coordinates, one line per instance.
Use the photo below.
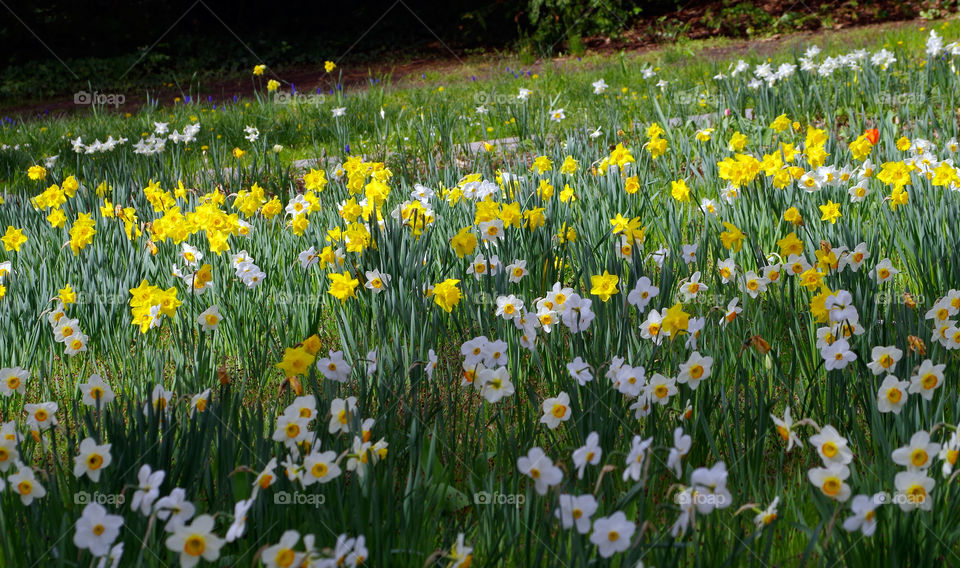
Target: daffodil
(612, 534)
(604, 285)
(296, 361)
(884, 359)
(918, 454)
(892, 394)
(538, 467)
(96, 530)
(831, 481)
(786, 429)
(914, 490)
(831, 446)
(342, 286)
(864, 516)
(830, 212)
(334, 367)
(588, 454)
(24, 483)
(680, 191)
(194, 541)
(13, 239)
(556, 410)
(696, 369)
(92, 459)
(732, 238)
(447, 294)
(210, 318)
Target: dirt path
(313, 79)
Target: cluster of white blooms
(246, 270)
(766, 73)
(96, 146)
(66, 330)
(156, 142)
(485, 367)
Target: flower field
(625, 312)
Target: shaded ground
(438, 59)
(700, 20)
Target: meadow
(657, 310)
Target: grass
(442, 446)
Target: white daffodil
(864, 518)
(282, 554)
(696, 369)
(91, 459)
(681, 446)
(831, 446)
(148, 489)
(576, 511)
(580, 371)
(334, 367)
(612, 534)
(588, 454)
(195, 541)
(96, 391)
(633, 468)
(892, 394)
(538, 467)
(884, 359)
(96, 530)
(174, 508)
(320, 467)
(210, 318)
(926, 379)
(913, 490)
(830, 480)
(25, 484)
(556, 410)
(918, 454)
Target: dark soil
(756, 23)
